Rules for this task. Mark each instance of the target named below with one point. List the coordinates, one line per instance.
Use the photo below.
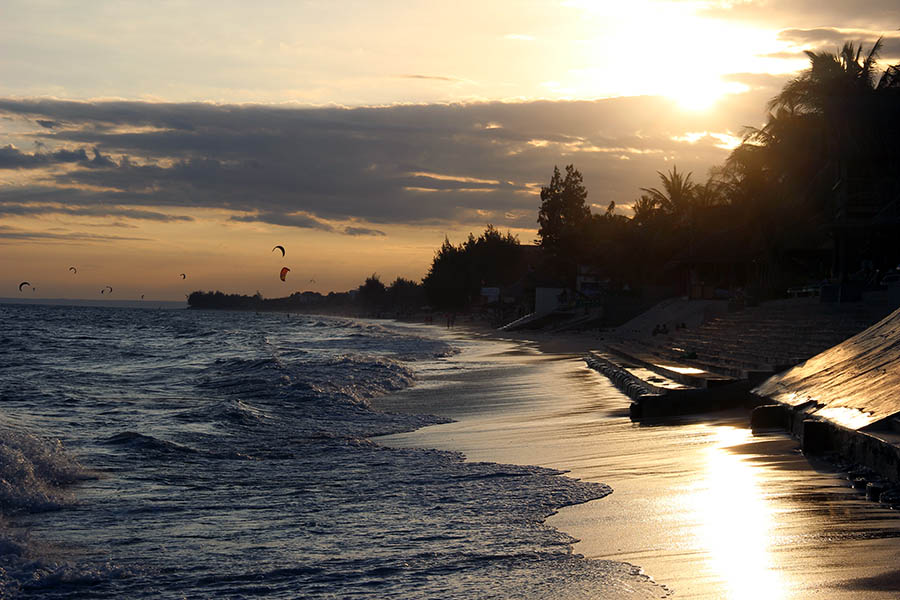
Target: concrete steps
(731, 352)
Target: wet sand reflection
(735, 520)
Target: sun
(695, 98)
(701, 95)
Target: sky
(139, 141)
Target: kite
(23, 284)
(183, 276)
(284, 272)
(73, 269)
(279, 248)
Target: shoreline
(674, 484)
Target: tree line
(401, 298)
(812, 195)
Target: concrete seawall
(845, 399)
(657, 397)
(876, 449)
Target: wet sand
(701, 505)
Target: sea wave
(147, 443)
(356, 377)
(34, 473)
(237, 460)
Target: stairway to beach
(740, 347)
(765, 338)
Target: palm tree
(711, 193)
(645, 209)
(677, 196)
(834, 133)
(832, 82)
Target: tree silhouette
(834, 83)
(405, 296)
(677, 196)
(458, 273)
(563, 213)
(646, 209)
(831, 147)
(372, 293)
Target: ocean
(193, 454)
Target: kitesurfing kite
(279, 248)
(23, 284)
(109, 287)
(183, 276)
(73, 269)
(284, 272)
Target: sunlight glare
(682, 54)
(701, 95)
(736, 520)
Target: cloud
(875, 15)
(815, 37)
(303, 221)
(99, 161)
(830, 39)
(363, 231)
(13, 158)
(320, 167)
(22, 209)
(12, 233)
(431, 77)
(759, 81)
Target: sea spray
(35, 472)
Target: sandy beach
(701, 505)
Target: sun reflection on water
(735, 521)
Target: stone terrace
(761, 339)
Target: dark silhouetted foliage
(372, 294)
(563, 215)
(405, 296)
(458, 273)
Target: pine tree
(563, 214)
